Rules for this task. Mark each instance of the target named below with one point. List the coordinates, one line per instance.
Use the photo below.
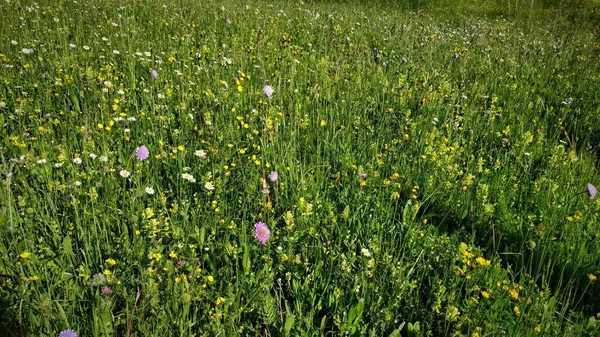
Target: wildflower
(181, 263)
(209, 186)
(362, 175)
(365, 252)
(266, 191)
(268, 91)
(77, 161)
(220, 300)
(112, 262)
(106, 291)
(228, 21)
(273, 176)
(201, 154)
(42, 161)
(67, 333)
(591, 190)
(517, 310)
(98, 280)
(25, 255)
(153, 73)
(261, 232)
(124, 173)
(142, 153)
(188, 177)
(27, 50)
(149, 190)
(504, 141)
(404, 60)
(592, 277)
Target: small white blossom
(209, 186)
(124, 173)
(77, 161)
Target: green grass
(433, 162)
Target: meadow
(299, 168)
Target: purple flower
(591, 190)
(362, 175)
(273, 176)
(268, 91)
(228, 21)
(261, 232)
(505, 141)
(404, 60)
(181, 263)
(142, 153)
(67, 333)
(106, 291)
(153, 73)
(25, 134)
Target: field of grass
(232, 168)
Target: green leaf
(289, 322)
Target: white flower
(365, 252)
(104, 158)
(209, 186)
(149, 190)
(72, 45)
(86, 47)
(124, 173)
(116, 52)
(93, 155)
(188, 177)
(78, 183)
(77, 161)
(2, 104)
(58, 165)
(14, 43)
(41, 161)
(200, 153)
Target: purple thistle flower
(142, 153)
(362, 175)
(268, 91)
(591, 190)
(153, 73)
(106, 291)
(67, 333)
(261, 232)
(273, 176)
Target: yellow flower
(173, 255)
(517, 310)
(482, 261)
(112, 262)
(537, 329)
(592, 277)
(210, 278)
(25, 255)
(323, 122)
(107, 272)
(177, 280)
(514, 294)
(220, 300)
(34, 278)
(485, 294)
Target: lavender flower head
(153, 73)
(106, 291)
(67, 333)
(505, 141)
(268, 91)
(261, 232)
(273, 176)
(591, 190)
(142, 153)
